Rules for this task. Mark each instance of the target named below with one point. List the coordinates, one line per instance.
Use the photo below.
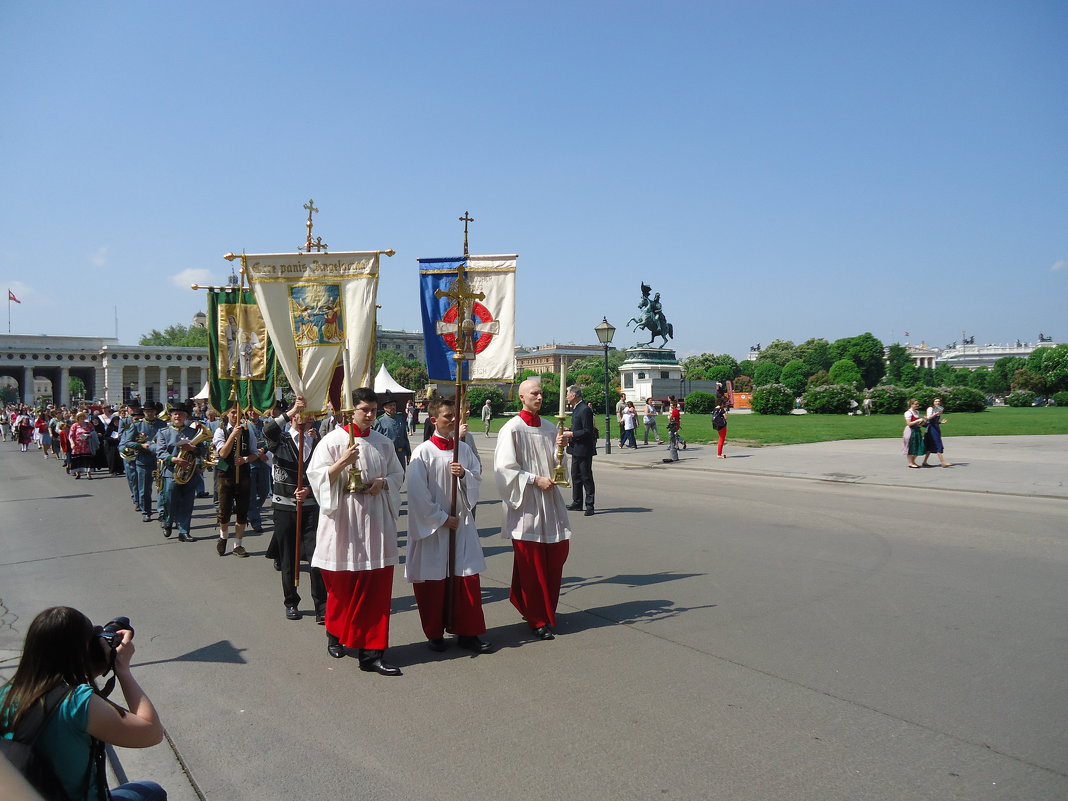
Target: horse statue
(651, 318)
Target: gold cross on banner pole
(318, 243)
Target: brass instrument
(211, 461)
(129, 451)
(185, 466)
(157, 479)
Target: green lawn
(794, 429)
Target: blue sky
(773, 169)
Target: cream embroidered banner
(315, 304)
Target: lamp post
(605, 331)
(682, 387)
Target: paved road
(727, 633)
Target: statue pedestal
(650, 373)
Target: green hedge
(772, 399)
(700, 403)
(889, 399)
(962, 399)
(1060, 398)
(1021, 397)
(829, 399)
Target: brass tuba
(129, 451)
(185, 466)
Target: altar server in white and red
(356, 542)
(535, 515)
(431, 474)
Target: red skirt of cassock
(467, 617)
(357, 606)
(537, 568)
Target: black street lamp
(605, 332)
(682, 386)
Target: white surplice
(522, 453)
(429, 502)
(357, 531)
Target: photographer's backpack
(22, 751)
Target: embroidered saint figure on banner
(242, 339)
(316, 314)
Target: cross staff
(464, 298)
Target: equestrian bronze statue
(651, 318)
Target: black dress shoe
(186, 537)
(334, 647)
(258, 529)
(278, 565)
(474, 644)
(167, 529)
(574, 507)
(320, 618)
(203, 494)
(588, 512)
(292, 613)
(376, 665)
(437, 645)
(544, 633)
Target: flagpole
(464, 332)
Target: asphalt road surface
(721, 637)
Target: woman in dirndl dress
(913, 434)
(932, 440)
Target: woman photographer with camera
(55, 684)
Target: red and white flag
(11, 296)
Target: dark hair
(57, 651)
(364, 395)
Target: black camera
(111, 632)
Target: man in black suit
(582, 445)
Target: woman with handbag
(55, 685)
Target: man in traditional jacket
(356, 542)
(134, 414)
(535, 518)
(431, 475)
(145, 464)
(172, 447)
(284, 442)
(393, 426)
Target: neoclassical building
(42, 367)
(109, 370)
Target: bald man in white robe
(535, 514)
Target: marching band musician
(172, 446)
(284, 442)
(146, 430)
(134, 413)
(236, 446)
(356, 542)
(259, 475)
(393, 426)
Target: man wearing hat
(171, 447)
(126, 424)
(393, 426)
(146, 429)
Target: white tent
(204, 394)
(384, 381)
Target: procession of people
(348, 535)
